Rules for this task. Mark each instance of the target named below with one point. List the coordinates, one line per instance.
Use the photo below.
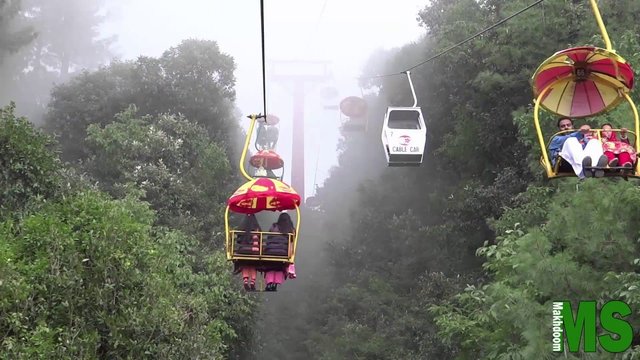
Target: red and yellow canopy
(263, 194)
(584, 81)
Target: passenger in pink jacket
(273, 278)
(248, 243)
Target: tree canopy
(194, 79)
(184, 175)
(119, 256)
(49, 43)
(12, 39)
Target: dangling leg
(611, 157)
(625, 159)
(246, 273)
(278, 278)
(252, 281)
(269, 279)
(594, 150)
(573, 153)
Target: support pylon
(312, 72)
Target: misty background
(82, 35)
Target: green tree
(86, 276)
(68, 41)
(11, 39)
(583, 248)
(185, 177)
(68, 37)
(28, 168)
(194, 79)
(90, 277)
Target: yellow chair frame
(230, 238)
(229, 233)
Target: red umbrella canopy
(263, 194)
(267, 159)
(353, 106)
(584, 81)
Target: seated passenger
(246, 242)
(276, 244)
(619, 152)
(249, 243)
(579, 149)
(556, 143)
(284, 225)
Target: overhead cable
(458, 44)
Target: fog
(342, 33)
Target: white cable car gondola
(404, 133)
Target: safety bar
(259, 254)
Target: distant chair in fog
(267, 137)
(404, 133)
(261, 137)
(272, 135)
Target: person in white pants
(580, 158)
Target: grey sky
(344, 32)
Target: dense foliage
(184, 175)
(194, 79)
(118, 256)
(89, 277)
(28, 168)
(574, 253)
